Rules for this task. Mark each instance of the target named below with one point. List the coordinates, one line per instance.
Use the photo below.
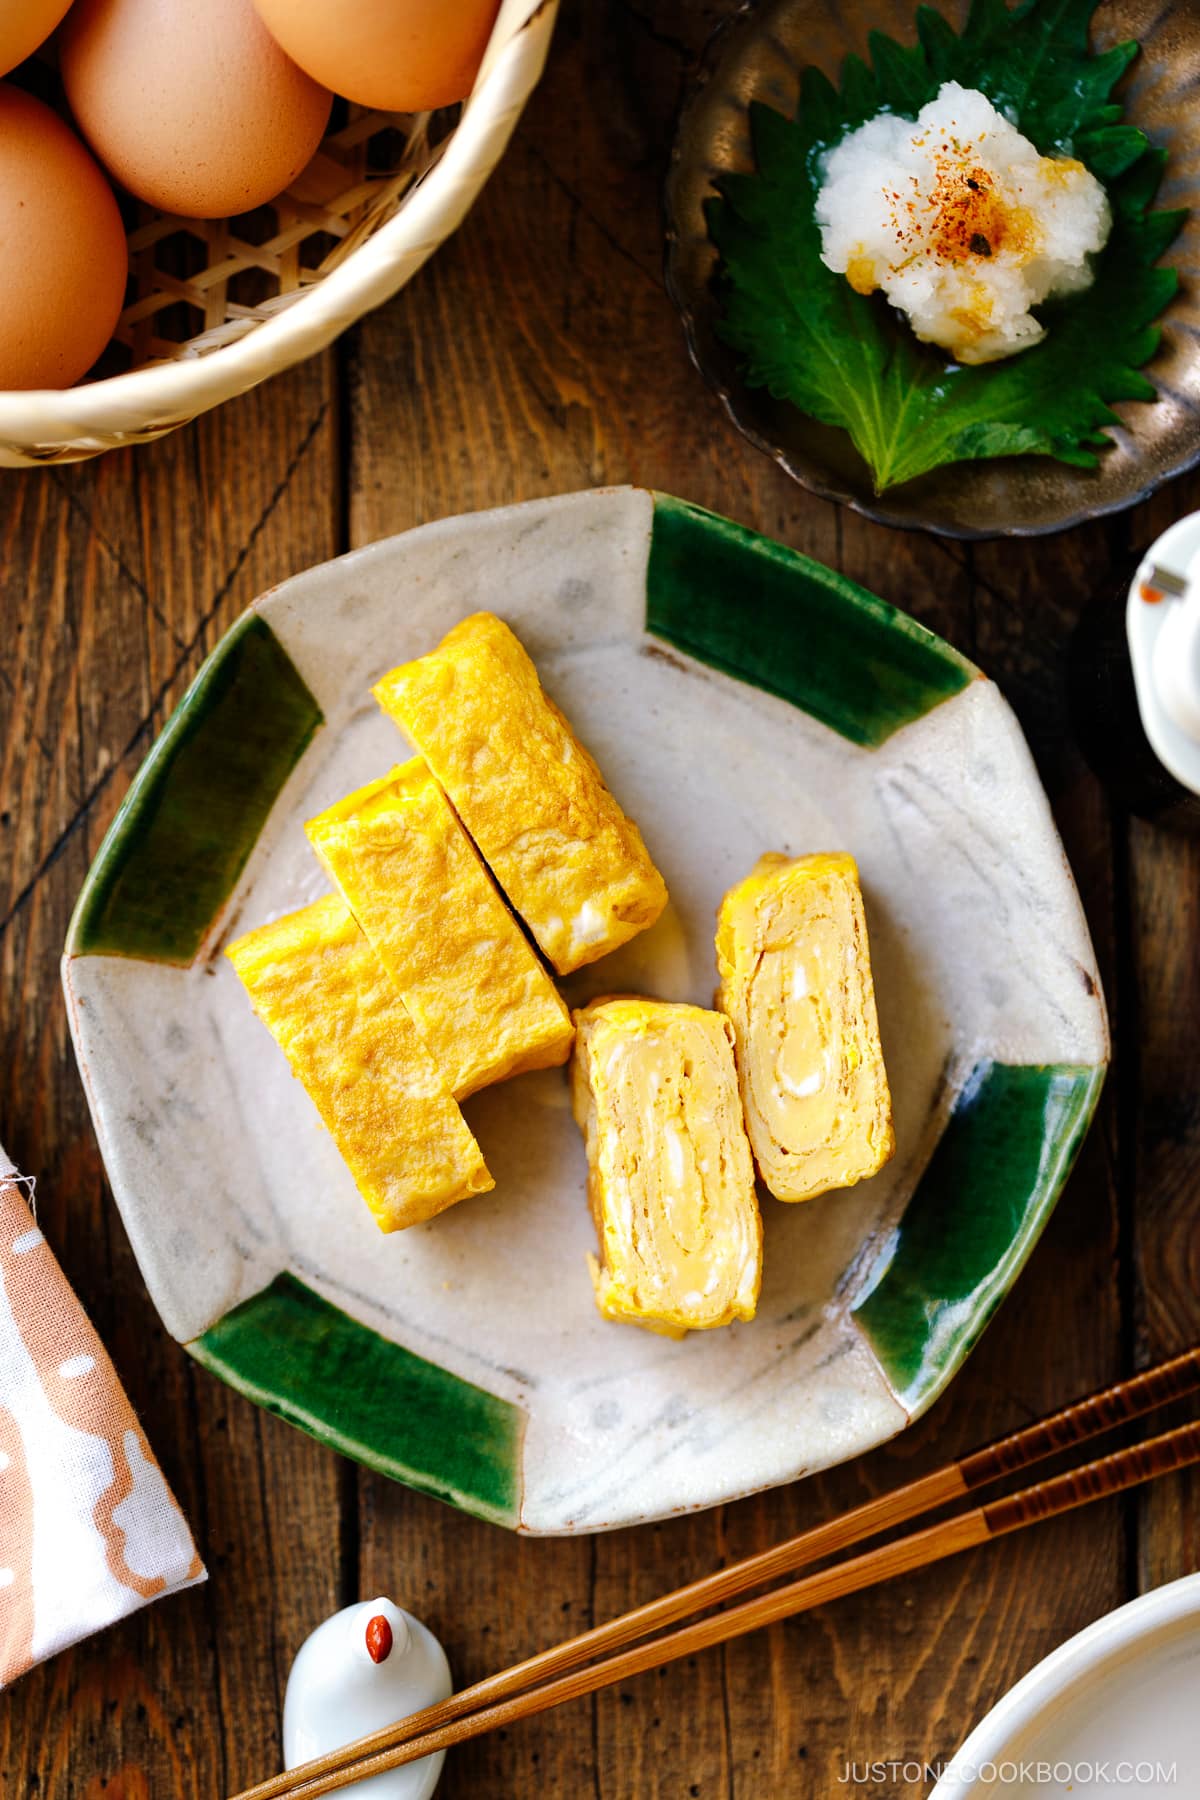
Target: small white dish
(1163, 621)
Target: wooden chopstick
(1043, 1500)
(1059, 1431)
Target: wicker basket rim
(171, 392)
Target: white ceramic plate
(739, 698)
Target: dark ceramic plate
(760, 57)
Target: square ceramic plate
(739, 698)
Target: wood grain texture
(441, 1728)
(119, 576)
(1161, 1092)
(535, 354)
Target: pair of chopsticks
(558, 1674)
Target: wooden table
(538, 353)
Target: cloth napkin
(89, 1529)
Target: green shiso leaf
(850, 360)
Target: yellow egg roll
(328, 1001)
(572, 864)
(670, 1174)
(796, 983)
(472, 983)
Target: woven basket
(219, 305)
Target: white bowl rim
(1048, 1681)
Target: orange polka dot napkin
(89, 1529)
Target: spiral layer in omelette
(670, 1175)
(796, 984)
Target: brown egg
(191, 104)
(62, 249)
(397, 55)
(24, 24)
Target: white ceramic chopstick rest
(363, 1668)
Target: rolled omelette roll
(470, 980)
(796, 983)
(571, 863)
(331, 1006)
(670, 1174)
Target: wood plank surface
(119, 577)
(538, 353)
